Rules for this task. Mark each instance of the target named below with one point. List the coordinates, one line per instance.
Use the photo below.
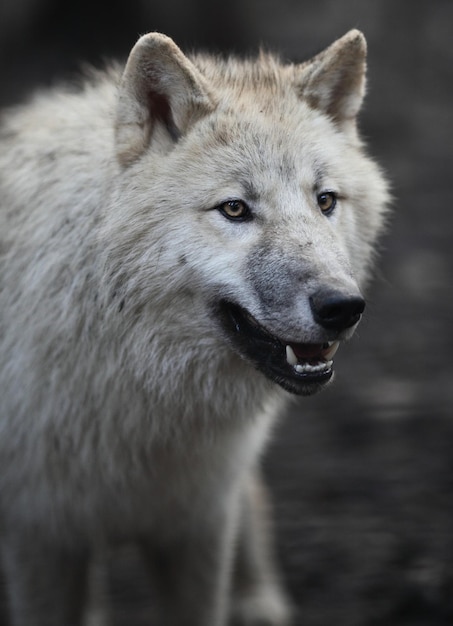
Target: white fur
(124, 412)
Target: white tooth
(290, 356)
(332, 351)
(307, 368)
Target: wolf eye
(235, 210)
(327, 202)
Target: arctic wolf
(183, 243)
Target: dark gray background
(361, 475)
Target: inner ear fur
(160, 88)
(334, 81)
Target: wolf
(184, 243)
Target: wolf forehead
(261, 131)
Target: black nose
(336, 310)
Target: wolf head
(249, 179)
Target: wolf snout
(336, 310)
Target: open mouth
(301, 368)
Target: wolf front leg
(191, 569)
(258, 598)
(46, 586)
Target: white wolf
(182, 244)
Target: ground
(362, 474)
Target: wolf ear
(161, 94)
(334, 80)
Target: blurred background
(362, 476)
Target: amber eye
(327, 202)
(235, 210)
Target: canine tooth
(334, 345)
(299, 368)
(290, 356)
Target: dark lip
(266, 351)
